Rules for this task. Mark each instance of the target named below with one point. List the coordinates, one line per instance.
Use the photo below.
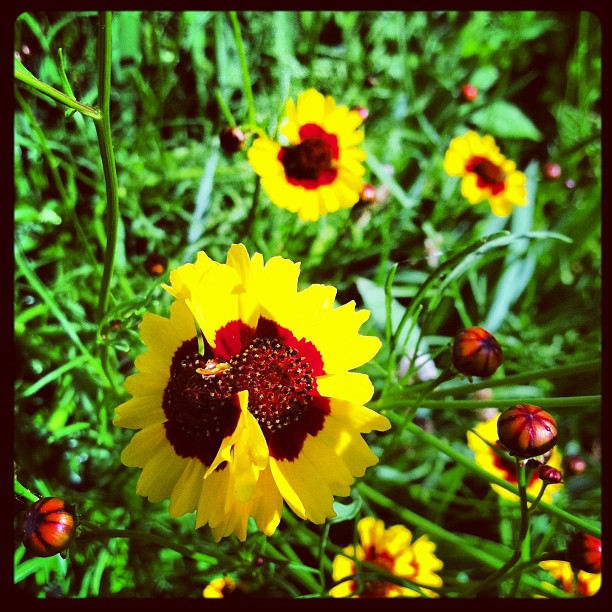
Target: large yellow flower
(583, 584)
(319, 171)
(261, 408)
(501, 466)
(486, 173)
(392, 550)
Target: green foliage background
(176, 82)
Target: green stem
(523, 532)
(563, 371)
(107, 155)
(56, 94)
(22, 491)
(248, 90)
(543, 402)
(103, 534)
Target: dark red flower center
(377, 587)
(200, 400)
(489, 175)
(312, 162)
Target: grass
(421, 256)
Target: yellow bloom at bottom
(583, 584)
(219, 588)
(393, 551)
(486, 173)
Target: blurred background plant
(177, 80)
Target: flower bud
(231, 139)
(469, 92)
(552, 171)
(574, 465)
(526, 430)
(584, 553)
(363, 112)
(549, 474)
(368, 194)
(476, 352)
(156, 264)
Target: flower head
(527, 430)
(580, 584)
(486, 173)
(263, 407)
(476, 352)
(482, 440)
(393, 551)
(219, 588)
(319, 170)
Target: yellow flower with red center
(582, 584)
(499, 464)
(393, 551)
(244, 397)
(319, 170)
(486, 173)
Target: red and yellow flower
(393, 551)
(486, 173)
(245, 396)
(480, 440)
(319, 169)
(582, 584)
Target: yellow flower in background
(262, 408)
(583, 584)
(504, 467)
(486, 173)
(319, 171)
(392, 550)
(219, 588)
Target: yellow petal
(310, 107)
(361, 418)
(267, 506)
(352, 386)
(140, 412)
(160, 474)
(144, 445)
(186, 492)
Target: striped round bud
(549, 474)
(526, 431)
(476, 352)
(49, 526)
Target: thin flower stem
(543, 402)
(248, 90)
(523, 532)
(103, 534)
(107, 155)
(55, 94)
(592, 365)
(538, 498)
(24, 492)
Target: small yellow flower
(319, 171)
(219, 588)
(584, 584)
(264, 408)
(392, 550)
(486, 173)
(502, 467)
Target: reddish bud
(476, 352)
(574, 464)
(368, 194)
(526, 430)
(231, 139)
(552, 171)
(584, 553)
(156, 264)
(469, 92)
(363, 112)
(549, 474)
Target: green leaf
(505, 120)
